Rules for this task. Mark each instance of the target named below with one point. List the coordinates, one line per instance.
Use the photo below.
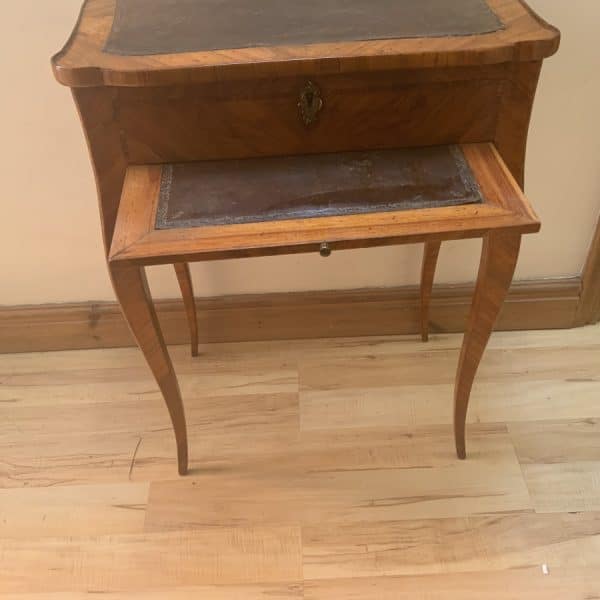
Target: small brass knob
(325, 250)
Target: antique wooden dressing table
(236, 128)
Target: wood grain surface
(320, 470)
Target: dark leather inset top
(297, 187)
(143, 27)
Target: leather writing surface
(297, 187)
(144, 27)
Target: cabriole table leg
(131, 288)
(184, 278)
(431, 251)
(498, 260)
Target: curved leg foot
(131, 288)
(184, 278)
(431, 251)
(498, 260)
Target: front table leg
(498, 260)
(131, 288)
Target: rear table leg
(184, 278)
(430, 257)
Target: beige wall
(50, 247)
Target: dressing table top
(163, 42)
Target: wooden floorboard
(515, 584)
(320, 470)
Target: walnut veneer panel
(262, 118)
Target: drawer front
(311, 114)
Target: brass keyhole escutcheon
(311, 103)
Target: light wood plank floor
(321, 469)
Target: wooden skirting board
(541, 304)
(588, 310)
